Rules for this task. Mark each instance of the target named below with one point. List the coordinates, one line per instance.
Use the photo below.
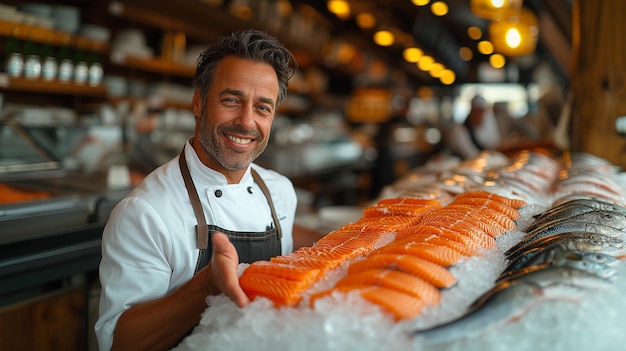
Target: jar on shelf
(96, 72)
(49, 64)
(66, 65)
(81, 68)
(14, 60)
(32, 61)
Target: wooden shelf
(39, 86)
(155, 65)
(45, 35)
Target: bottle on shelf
(32, 61)
(81, 68)
(96, 72)
(14, 60)
(66, 65)
(49, 64)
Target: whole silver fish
(594, 262)
(571, 226)
(609, 218)
(581, 196)
(511, 300)
(590, 202)
(582, 241)
(573, 208)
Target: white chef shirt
(149, 243)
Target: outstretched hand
(224, 263)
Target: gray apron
(251, 246)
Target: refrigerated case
(51, 223)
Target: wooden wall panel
(55, 321)
(599, 78)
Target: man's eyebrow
(241, 94)
(267, 100)
(232, 92)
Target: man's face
(235, 120)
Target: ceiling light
(284, 8)
(412, 54)
(420, 2)
(495, 9)
(485, 47)
(365, 20)
(466, 53)
(447, 77)
(340, 8)
(474, 32)
(439, 8)
(425, 62)
(515, 36)
(436, 69)
(384, 38)
(497, 61)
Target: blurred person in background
(180, 235)
(478, 132)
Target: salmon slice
(456, 232)
(399, 305)
(441, 255)
(469, 223)
(395, 210)
(282, 292)
(372, 235)
(414, 233)
(515, 203)
(483, 240)
(401, 207)
(430, 203)
(504, 220)
(431, 272)
(292, 259)
(343, 251)
(396, 280)
(485, 224)
(388, 220)
(285, 271)
(484, 202)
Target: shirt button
(250, 189)
(218, 193)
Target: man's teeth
(239, 140)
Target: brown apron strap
(202, 229)
(266, 192)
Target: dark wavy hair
(248, 44)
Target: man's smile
(237, 140)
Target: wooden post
(598, 78)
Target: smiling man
(180, 235)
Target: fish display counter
(51, 219)
(520, 252)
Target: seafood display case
(520, 252)
(51, 219)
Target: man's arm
(159, 324)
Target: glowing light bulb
(384, 38)
(513, 38)
(412, 54)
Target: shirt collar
(205, 175)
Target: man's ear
(197, 103)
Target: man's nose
(245, 117)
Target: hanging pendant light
(515, 36)
(496, 9)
